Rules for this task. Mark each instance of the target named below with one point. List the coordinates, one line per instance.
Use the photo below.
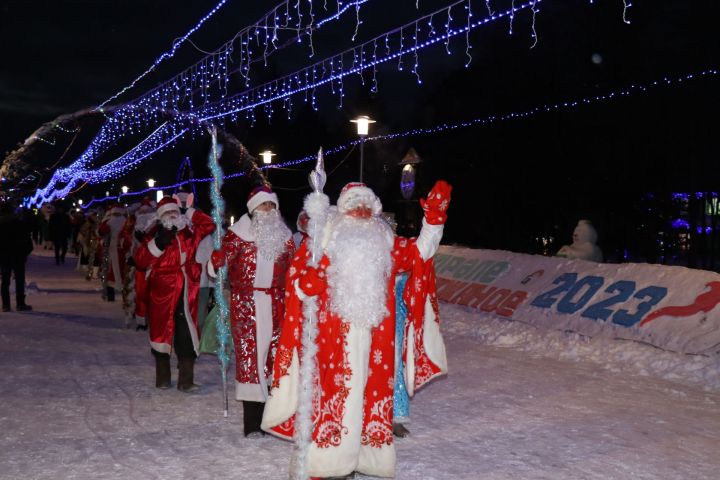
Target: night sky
(514, 180)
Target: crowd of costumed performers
(333, 327)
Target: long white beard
(360, 264)
(271, 234)
(179, 222)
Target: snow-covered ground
(77, 402)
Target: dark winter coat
(59, 227)
(15, 242)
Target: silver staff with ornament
(316, 205)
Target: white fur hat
(356, 194)
(167, 204)
(261, 195)
(117, 208)
(146, 206)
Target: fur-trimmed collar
(243, 228)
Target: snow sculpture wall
(674, 308)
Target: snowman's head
(584, 233)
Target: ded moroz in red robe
(145, 223)
(113, 227)
(352, 408)
(174, 274)
(257, 288)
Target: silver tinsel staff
(218, 214)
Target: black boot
(21, 305)
(400, 431)
(162, 370)
(186, 366)
(252, 418)
(110, 294)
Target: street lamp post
(267, 160)
(362, 122)
(267, 157)
(409, 212)
(150, 182)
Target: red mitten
(312, 282)
(437, 203)
(218, 259)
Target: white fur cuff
(316, 205)
(152, 246)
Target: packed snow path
(77, 401)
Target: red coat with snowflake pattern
(329, 429)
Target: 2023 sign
(577, 293)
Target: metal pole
(362, 156)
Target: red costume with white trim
(144, 229)
(257, 250)
(254, 281)
(353, 388)
(174, 274)
(112, 227)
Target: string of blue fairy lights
(147, 110)
(633, 89)
(330, 71)
(166, 55)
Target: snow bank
(615, 354)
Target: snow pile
(615, 354)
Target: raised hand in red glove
(313, 281)
(218, 259)
(437, 203)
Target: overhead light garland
(195, 81)
(166, 55)
(630, 90)
(330, 71)
(276, 16)
(333, 70)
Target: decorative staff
(218, 214)
(316, 206)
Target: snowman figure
(583, 246)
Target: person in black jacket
(15, 246)
(59, 230)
